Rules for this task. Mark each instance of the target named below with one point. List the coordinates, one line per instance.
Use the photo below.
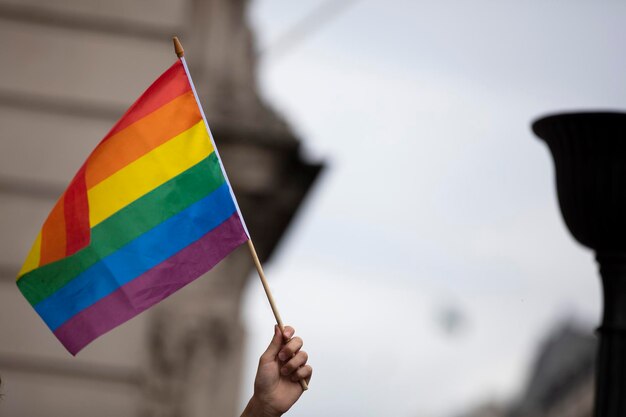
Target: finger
(288, 333)
(294, 363)
(290, 348)
(274, 347)
(304, 372)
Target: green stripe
(124, 226)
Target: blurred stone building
(561, 381)
(68, 70)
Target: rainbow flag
(150, 210)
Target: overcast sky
(438, 204)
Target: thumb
(274, 347)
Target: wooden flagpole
(178, 47)
(180, 53)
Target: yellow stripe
(148, 172)
(32, 260)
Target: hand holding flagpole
(180, 53)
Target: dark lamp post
(589, 151)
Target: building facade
(69, 69)
(560, 382)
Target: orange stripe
(53, 234)
(141, 137)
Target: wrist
(256, 408)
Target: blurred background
(382, 155)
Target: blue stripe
(137, 257)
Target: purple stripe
(153, 286)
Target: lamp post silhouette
(589, 151)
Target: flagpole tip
(178, 47)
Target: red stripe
(77, 214)
(171, 84)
